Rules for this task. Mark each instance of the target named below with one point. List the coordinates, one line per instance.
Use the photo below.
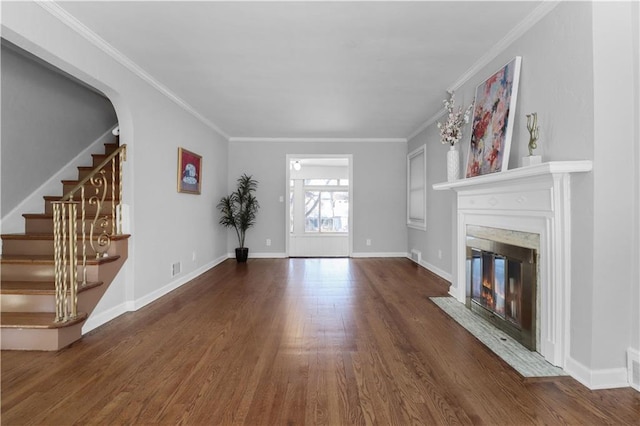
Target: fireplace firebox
(501, 287)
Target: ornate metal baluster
(113, 196)
(72, 300)
(101, 243)
(67, 275)
(57, 238)
(65, 263)
(83, 208)
(122, 157)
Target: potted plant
(239, 212)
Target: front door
(319, 207)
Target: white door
(319, 210)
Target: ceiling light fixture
(297, 165)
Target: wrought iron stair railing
(71, 243)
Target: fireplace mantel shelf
(549, 168)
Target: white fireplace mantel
(550, 168)
(534, 199)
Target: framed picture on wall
(189, 171)
(493, 116)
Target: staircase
(43, 304)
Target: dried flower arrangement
(451, 130)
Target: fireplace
(502, 284)
(535, 200)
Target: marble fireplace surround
(534, 199)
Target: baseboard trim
(431, 268)
(597, 379)
(155, 295)
(102, 318)
(633, 368)
(383, 254)
(13, 222)
(266, 255)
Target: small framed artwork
(493, 116)
(189, 171)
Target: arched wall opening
(121, 289)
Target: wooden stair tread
(89, 216)
(87, 168)
(76, 181)
(38, 287)
(58, 197)
(52, 198)
(48, 259)
(36, 320)
(42, 236)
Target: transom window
(326, 182)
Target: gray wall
(560, 54)
(581, 116)
(47, 119)
(379, 191)
(615, 54)
(166, 226)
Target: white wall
(615, 187)
(576, 73)
(47, 119)
(635, 299)
(153, 127)
(379, 194)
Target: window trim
(419, 223)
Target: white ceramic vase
(453, 164)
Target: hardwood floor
(294, 341)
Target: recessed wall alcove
(535, 200)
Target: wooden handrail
(69, 195)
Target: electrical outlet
(193, 256)
(439, 254)
(268, 242)
(368, 241)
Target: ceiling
(306, 69)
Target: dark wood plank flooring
(292, 342)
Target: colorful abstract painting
(493, 116)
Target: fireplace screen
(502, 286)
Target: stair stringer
(56, 338)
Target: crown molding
(516, 32)
(317, 140)
(70, 21)
(427, 123)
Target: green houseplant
(239, 211)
